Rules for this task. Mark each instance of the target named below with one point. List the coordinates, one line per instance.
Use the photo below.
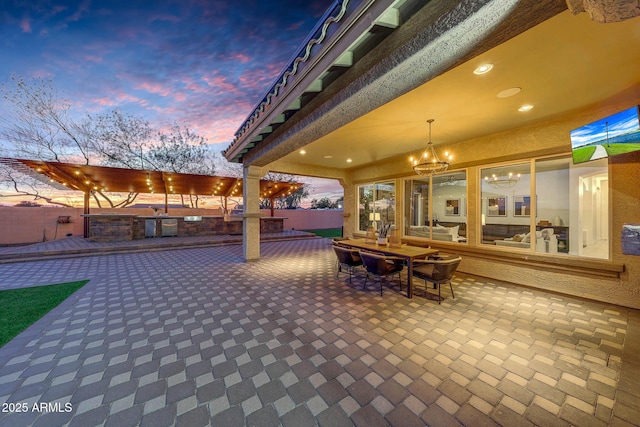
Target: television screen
(615, 134)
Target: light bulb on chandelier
(428, 163)
(502, 181)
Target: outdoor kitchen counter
(118, 227)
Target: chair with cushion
(381, 266)
(438, 270)
(347, 258)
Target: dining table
(408, 252)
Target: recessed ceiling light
(483, 68)
(303, 152)
(349, 160)
(328, 157)
(509, 92)
(525, 107)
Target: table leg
(409, 277)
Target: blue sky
(199, 63)
(202, 63)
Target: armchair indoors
(438, 271)
(347, 258)
(381, 266)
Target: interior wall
(440, 196)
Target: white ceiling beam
(390, 18)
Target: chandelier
(428, 163)
(502, 181)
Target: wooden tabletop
(405, 251)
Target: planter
(382, 241)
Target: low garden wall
(39, 224)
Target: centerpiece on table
(383, 234)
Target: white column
(251, 217)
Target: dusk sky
(198, 63)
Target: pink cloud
(41, 74)
(165, 17)
(155, 88)
(193, 86)
(93, 58)
(162, 90)
(221, 83)
(116, 100)
(295, 26)
(25, 25)
(82, 10)
(105, 102)
(125, 97)
(240, 57)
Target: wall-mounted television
(616, 134)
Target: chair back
(376, 264)
(347, 256)
(443, 269)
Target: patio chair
(438, 270)
(347, 258)
(381, 266)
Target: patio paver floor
(198, 337)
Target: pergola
(88, 179)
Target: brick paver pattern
(198, 337)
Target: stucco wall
(32, 225)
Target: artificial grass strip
(326, 232)
(22, 307)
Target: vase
(394, 238)
(371, 235)
(557, 222)
(382, 241)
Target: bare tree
(119, 140)
(23, 185)
(291, 201)
(40, 126)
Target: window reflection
(506, 206)
(436, 208)
(570, 206)
(376, 205)
(573, 207)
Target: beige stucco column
(399, 221)
(349, 207)
(251, 222)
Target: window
(376, 205)
(569, 208)
(573, 207)
(506, 205)
(436, 207)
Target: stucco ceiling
(565, 64)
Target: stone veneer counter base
(120, 227)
